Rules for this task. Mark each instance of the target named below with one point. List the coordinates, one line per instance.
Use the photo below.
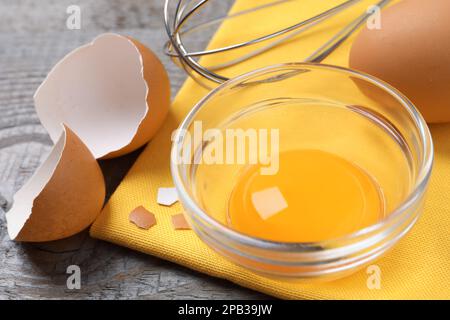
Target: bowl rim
(417, 190)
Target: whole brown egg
(411, 51)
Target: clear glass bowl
(329, 108)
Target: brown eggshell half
(411, 52)
(113, 93)
(62, 198)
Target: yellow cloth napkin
(417, 268)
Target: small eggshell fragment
(142, 218)
(167, 196)
(411, 51)
(179, 222)
(113, 93)
(269, 202)
(62, 198)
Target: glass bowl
(312, 106)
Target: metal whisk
(186, 9)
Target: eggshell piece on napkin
(113, 93)
(179, 222)
(411, 52)
(63, 197)
(167, 196)
(142, 218)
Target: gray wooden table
(33, 37)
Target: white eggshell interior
(167, 196)
(99, 91)
(24, 198)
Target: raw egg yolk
(314, 196)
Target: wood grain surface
(33, 37)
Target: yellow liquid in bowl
(340, 169)
(314, 196)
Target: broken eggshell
(113, 93)
(167, 196)
(62, 198)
